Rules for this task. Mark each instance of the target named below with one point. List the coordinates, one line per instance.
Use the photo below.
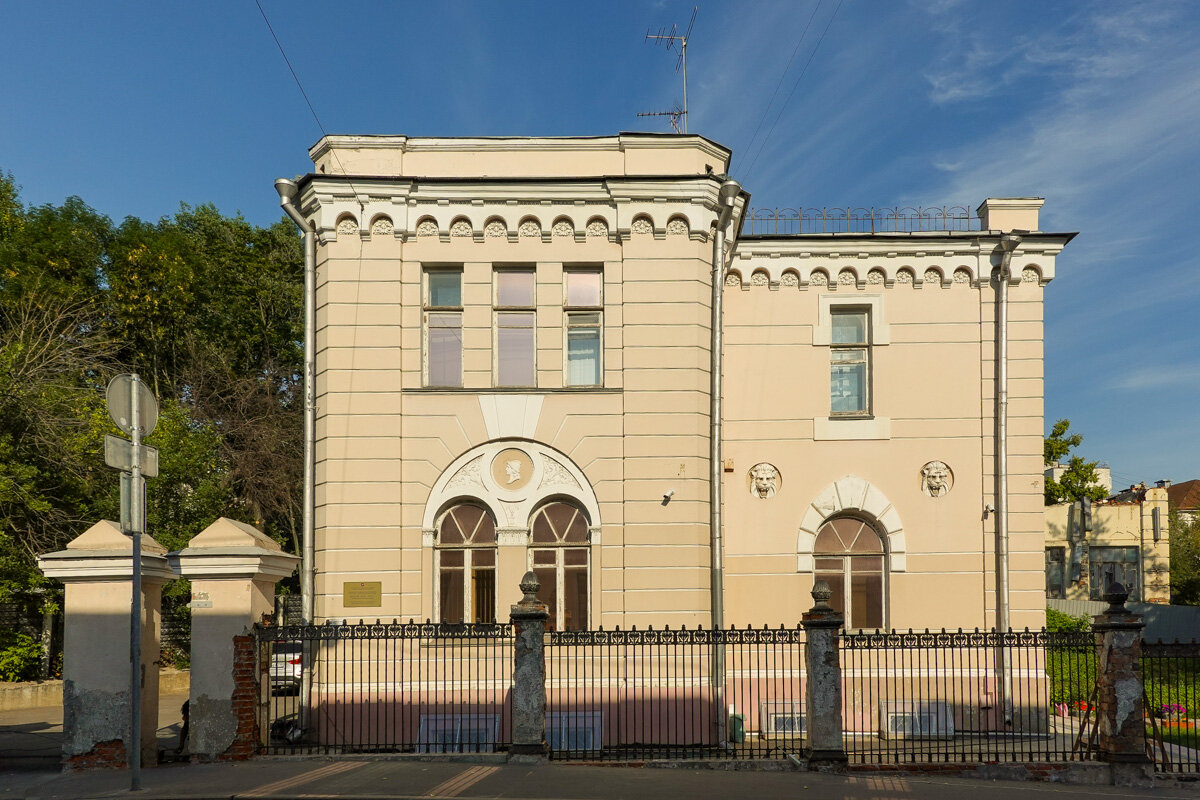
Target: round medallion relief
(512, 469)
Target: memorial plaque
(362, 594)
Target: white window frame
(468, 583)
(560, 577)
(428, 308)
(570, 311)
(497, 310)
(853, 426)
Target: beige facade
(1129, 542)
(456, 317)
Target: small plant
(20, 657)
(1172, 711)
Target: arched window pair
(465, 564)
(849, 555)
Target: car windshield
(287, 648)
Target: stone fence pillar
(233, 568)
(529, 674)
(1120, 710)
(97, 571)
(823, 687)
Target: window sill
(851, 428)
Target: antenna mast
(678, 115)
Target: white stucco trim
(554, 475)
(511, 414)
(881, 332)
(851, 493)
(841, 428)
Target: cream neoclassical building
(514, 370)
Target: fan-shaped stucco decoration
(855, 494)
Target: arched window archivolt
(857, 497)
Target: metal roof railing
(893, 219)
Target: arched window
(849, 555)
(465, 565)
(558, 554)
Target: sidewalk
(402, 778)
(31, 743)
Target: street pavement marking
(296, 780)
(461, 782)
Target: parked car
(286, 660)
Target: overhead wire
(799, 78)
(787, 67)
(304, 94)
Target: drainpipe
(1008, 244)
(287, 197)
(726, 197)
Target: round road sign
(120, 404)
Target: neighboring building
(514, 372)
(1184, 498)
(1129, 542)
(1103, 474)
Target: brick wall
(245, 701)
(105, 755)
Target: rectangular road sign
(118, 454)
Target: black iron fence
(950, 697)
(643, 694)
(893, 219)
(1171, 677)
(385, 688)
(968, 696)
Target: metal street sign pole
(137, 513)
(133, 409)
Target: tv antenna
(678, 114)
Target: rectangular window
(850, 360)
(443, 327)
(582, 317)
(1056, 565)
(516, 328)
(1110, 565)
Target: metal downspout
(287, 196)
(726, 198)
(1008, 244)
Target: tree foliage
(1079, 478)
(1185, 559)
(207, 308)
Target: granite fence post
(1120, 709)
(529, 674)
(823, 687)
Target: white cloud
(1162, 376)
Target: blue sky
(138, 106)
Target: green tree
(1079, 479)
(208, 309)
(1185, 560)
